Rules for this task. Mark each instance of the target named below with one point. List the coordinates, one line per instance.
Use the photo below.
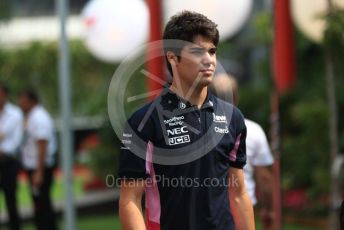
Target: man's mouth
(207, 71)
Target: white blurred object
(308, 16)
(21, 31)
(115, 28)
(230, 15)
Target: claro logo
(219, 130)
(176, 131)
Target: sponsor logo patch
(175, 121)
(176, 131)
(126, 142)
(219, 119)
(221, 130)
(179, 140)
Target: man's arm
(240, 204)
(38, 175)
(264, 183)
(11, 134)
(130, 210)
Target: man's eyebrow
(196, 48)
(199, 48)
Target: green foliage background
(304, 111)
(35, 66)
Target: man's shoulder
(39, 114)
(229, 108)
(14, 110)
(144, 111)
(253, 126)
(220, 101)
(221, 104)
(140, 122)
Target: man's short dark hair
(31, 94)
(186, 26)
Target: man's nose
(207, 59)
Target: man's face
(3, 98)
(24, 103)
(197, 62)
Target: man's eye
(212, 51)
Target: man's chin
(205, 81)
(203, 84)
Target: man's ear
(171, 58)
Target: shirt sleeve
(237, 155)
(262, 155)
(134, 146)
(42, 128)
(13, 132)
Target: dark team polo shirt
(184, 154)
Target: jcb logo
(177, 131)
(179, 140)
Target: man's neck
(2, 106)
(196, 96)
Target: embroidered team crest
(182, 105)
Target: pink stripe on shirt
(153, 208)
(234, 151)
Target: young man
(11, 130)
(259, 158)
(187, 147)
(38, 149)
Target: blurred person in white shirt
(257, 170)
(38, 149)
(11, 130)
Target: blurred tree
(103, 160)
(5, 10)
(333, 45)
(303, 112)
(36, 66)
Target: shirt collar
(209, 101)
(33, 110)
(171, 100)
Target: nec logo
(177, 131)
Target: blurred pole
(275, 145)
(333, 133)
(65, 105)
(284, 78)
(154, 66)
(283, 47)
